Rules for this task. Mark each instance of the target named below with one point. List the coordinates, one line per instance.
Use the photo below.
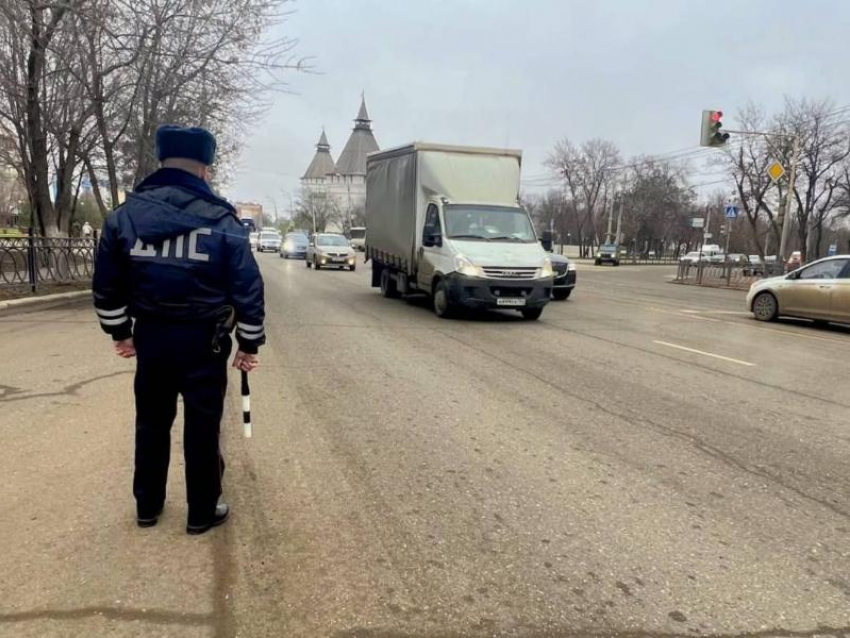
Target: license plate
(338, 260)
(510, 301)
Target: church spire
(322, 164)
(352, 160)
(323, 144)
(362, 120)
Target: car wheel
(616, 263)
(352, 268)
(561, 295)
(598, 262)
(316, 264)
(388, 287)
(531, 314)
(443, 308)
(765, 307)
(307, 263)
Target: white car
(269, 240)
(357, 235)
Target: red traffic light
(716, 115)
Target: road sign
(833, 250)
(731, 211)
(775, 171)
(697, 222)
(708, 235)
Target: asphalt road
(643, 461)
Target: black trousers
(178, 359)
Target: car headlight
(465, 267)
(545, 270)
(571, 267)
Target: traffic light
(711, 135)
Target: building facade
(345, 179)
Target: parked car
(818, 291)
(693, 257)
(294, 245)
(330, 250)
(608, 254)
(357, 237)
(269, 241)
(756, 267)
(254, 240)
(565, 277)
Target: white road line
(705, 354)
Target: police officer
(174, 275)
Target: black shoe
(148, 521)
(222, 512)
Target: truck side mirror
(432, 238)
(546, 241)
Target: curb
(32, 304)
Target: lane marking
(705, 354)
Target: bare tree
(85, 83)
(589, 172)
(317, 209)
(657, 206)
(822, 171)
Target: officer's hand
(125, 349)
(244, 361)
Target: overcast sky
(525, 73)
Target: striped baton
(246, 407)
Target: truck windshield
(488, 223)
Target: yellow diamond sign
(775, 171)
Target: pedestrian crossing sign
(731, 211)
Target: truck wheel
(561, 295)
(532, 314)
(443, 308)
(388, 288)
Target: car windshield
(296, 238)
(269, 236)
(488, 223)
(609, 248)
(331, 240)
(357, 233)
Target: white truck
(444, 221)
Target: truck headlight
(546, 269)
(465, 267)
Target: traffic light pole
(786, 209)
(785, 213)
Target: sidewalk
(32, 302)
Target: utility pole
(619, 236)
(786, 208)
(610, 221)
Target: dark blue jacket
(174, 251)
